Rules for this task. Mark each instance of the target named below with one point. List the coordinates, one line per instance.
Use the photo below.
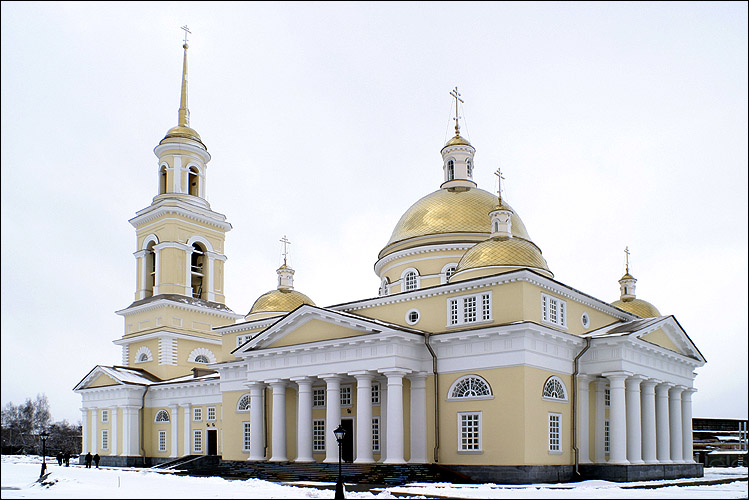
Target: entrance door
(213, 442)
(347, 450)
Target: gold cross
(186, 32)
(626, 251)
(456, 95)
(285, 242)
(499, 175)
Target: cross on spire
(626, 257)
(499, 175)
(456, 95)
(285, 242)
(186, 32)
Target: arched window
(197, 260)
(447, 271)
(150, 269)
(450, 170)
(143, 357)
(193, 181)
(469, 164)
(384, 287)
(244, 403)
(200, 358)
(410, 281)
(496, 226)
(201, 355)
(162, 179)
(144, 354)
(162, 416)
(470, 387)
(554, 389)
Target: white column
(304, 420)
(647, 392)
(257, 421)
(634, 417)
(601, 421)
(395, 416)
(84, 430)
(279, 420)
(211, 273)
(583, 420)
(186, 409)
(94, 435)
(157, 269)
(617, 418)
(174, 421)
(140, 265)
(177, 174)
(662, 433)
(686, 426)
(418, 418)
(674, 412)
(332, 415)
(364, 454)
(113, 447)
(383, 419)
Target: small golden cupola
(284, 298)
(628, 300)
(457, 157)
(503, 251)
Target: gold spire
(456, 95)
(500, 205)
(183, 120)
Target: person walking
(59, 458)
(88, 460)
(66, 457)
(96, 460)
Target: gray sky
(615, 124)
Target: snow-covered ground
(20, 473)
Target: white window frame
(553, 310)
(197, 414)
(376, 393)
(404, 280)
(607, 398)
(105, 439)
(241, 339)
(606, 437)
(156, 418)
(347, 398)
(555, 433)
(444, 277)
(376, 434)
(455, 384)
(210, 414)
(197, 441)
(464, 447)
(162, 441)
(318, 394)
(105, 416)
(246, 436)
(550, 380)
(460, 312)
(318, 435)
(409, 319)
(249, 403)
(384, 287)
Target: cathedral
(470, 355)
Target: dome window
(450, 170)
(384, 287)
(469, 166)
(162, 179)
(193, 181)
(197, 260)
(410, 281)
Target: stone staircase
(372, 474)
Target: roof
(183, 299)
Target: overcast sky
(615, 124)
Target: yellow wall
(659, 337)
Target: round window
(585, 320)
(412, 316)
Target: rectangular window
(318, 435)
(376, 434)
(197, 441)
(104, 439)
(318, 397)
(553, 310)
(469, 431)
(606, 436)
(607, 397)
(346, 395)
(555, 433)
(105, 416)
(197, 414)
(211, 413)
(241, 339)
(375, 393)
(162, 440)
(246, 436)
(469, 309)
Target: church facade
(471, 354)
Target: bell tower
(179, 292)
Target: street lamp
(340, 433)
(44, 437)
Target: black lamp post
(340, 433)
(44, 437)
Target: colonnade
(649, 421)
(392, 422)
(91, 431)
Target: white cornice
(246, 326)
(478, 236)
(182, 208)
(150, 306)
(419, 250)
(165, 334)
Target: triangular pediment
(107, 376)
(308, 324)
(664, 332)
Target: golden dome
(505, 252)
(445, 211)
(627, 277)
(458, 140)
(281, 301)
(182, 132)
(639, 307)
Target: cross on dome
(285, 253)
(456, 95)
(186, 32)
